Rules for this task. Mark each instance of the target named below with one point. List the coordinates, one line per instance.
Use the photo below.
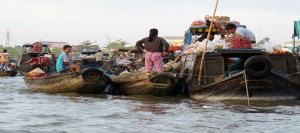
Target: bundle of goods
(122, 60)
(217, 18)
(239, 42)
(37, 72)
(209, 47)
(219, 22)
(198, 23)
(44, 60)
(39, 61)
(190, 49)
(279, 52)
(170, 66)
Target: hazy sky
(74, 21)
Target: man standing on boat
(63, 61)
(155, 48)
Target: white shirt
(245, 33)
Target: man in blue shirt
(233, 29)
(63, 61)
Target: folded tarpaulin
(297, 29)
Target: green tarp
(297, 29)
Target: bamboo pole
(203, 53)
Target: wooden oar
(203, 54)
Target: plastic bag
(268, 46)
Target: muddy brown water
(23, 111)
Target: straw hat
(37, 70)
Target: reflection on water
(24, 111)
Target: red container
(174, 48)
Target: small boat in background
(11, 69)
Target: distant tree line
(109, 47)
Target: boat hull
(145, 84)
(273, 87)
(8, 73)
(295, 78)
(66, 83)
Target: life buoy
(92, 74)
(258, 66)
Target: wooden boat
(159, 84)
(12, 70)
(295, 78)
(265, 77)
(9, 73)
(92, 80)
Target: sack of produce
(239, 42)
(198, 23)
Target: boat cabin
(28, 60)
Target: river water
(23, 111)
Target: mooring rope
(246, 83)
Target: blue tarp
(297, 29)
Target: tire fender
(258, 66)
(92, 74)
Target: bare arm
(139, 44)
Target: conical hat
(37, 70)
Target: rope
(246, 83)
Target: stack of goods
(44, 61)
(219, 22)
(279, 52)
(198, 23)
(199, 47)
(37, 72)
(239, 42)
(191, 48)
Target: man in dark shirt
(155, 48)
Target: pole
(203, 54)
